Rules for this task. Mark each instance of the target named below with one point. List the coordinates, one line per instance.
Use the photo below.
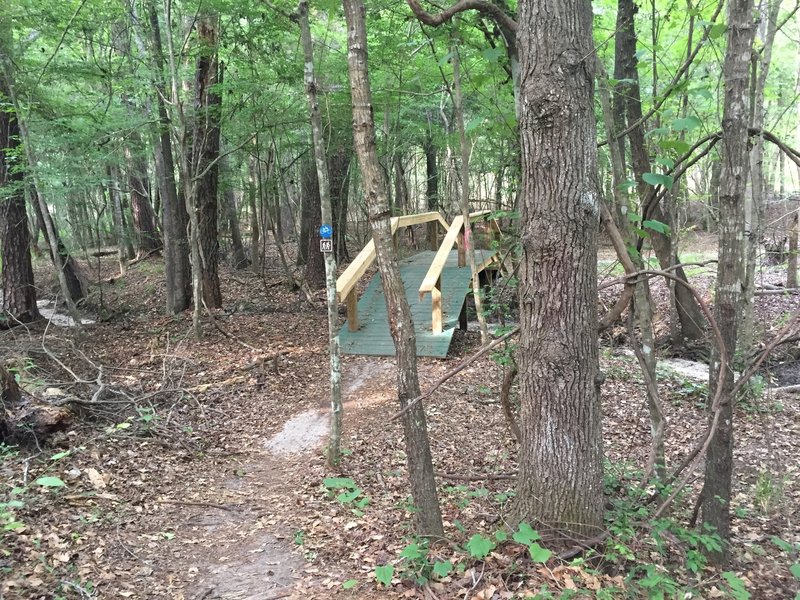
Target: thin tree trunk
(791, 275)
(466, 152)
(716, 495)
(124, 247)
(326, 212)
(431, 181)
(642, 306)
(229, 207)
(174, 216)
(417, 446)
(560, 482)
(754, 203)
(253, 184)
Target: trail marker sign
(326, 245)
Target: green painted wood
(374, 338)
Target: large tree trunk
(418, 452)
(730, 269)
(560, 481)
(174, 216)
(204, 170)
(19, 291)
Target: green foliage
(350, 495)
(384, 574)
(50, 482)
(479, 546)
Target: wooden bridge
(436, 283)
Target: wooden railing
(432, 284)
(346, 283)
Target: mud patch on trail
(301, 433)
(261, 570)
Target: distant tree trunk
(124, 247)
(431, 182)
(231, 216)
(315, 262)
(400, 185)
(175, 218)
(560, 483)
(253, 185)
(144, 218)
(466, 153)
(791, 276)
(205, 154)
(19, 291)
(716, 495)
(418, 452)
(339, 166)
(692, 322)
(308, 212)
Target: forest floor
(208, 480)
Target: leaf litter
(180, 497)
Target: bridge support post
(351, 302)
(436, 307)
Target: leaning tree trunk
(204, 169)
(418, 452)
(716, 495)
(560, 481)
(19, 291)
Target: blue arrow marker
(325, 232)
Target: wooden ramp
(373, 337)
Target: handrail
(439, 261)
(349, 278)
(346, 282)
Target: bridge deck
(373, 337)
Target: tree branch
(485, 8)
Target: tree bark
(19, 290)
(716, 493)
(339, 169)
(560, 479)
(418, 454)
(204, 164)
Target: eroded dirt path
(249, 554)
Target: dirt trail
(240, 561)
